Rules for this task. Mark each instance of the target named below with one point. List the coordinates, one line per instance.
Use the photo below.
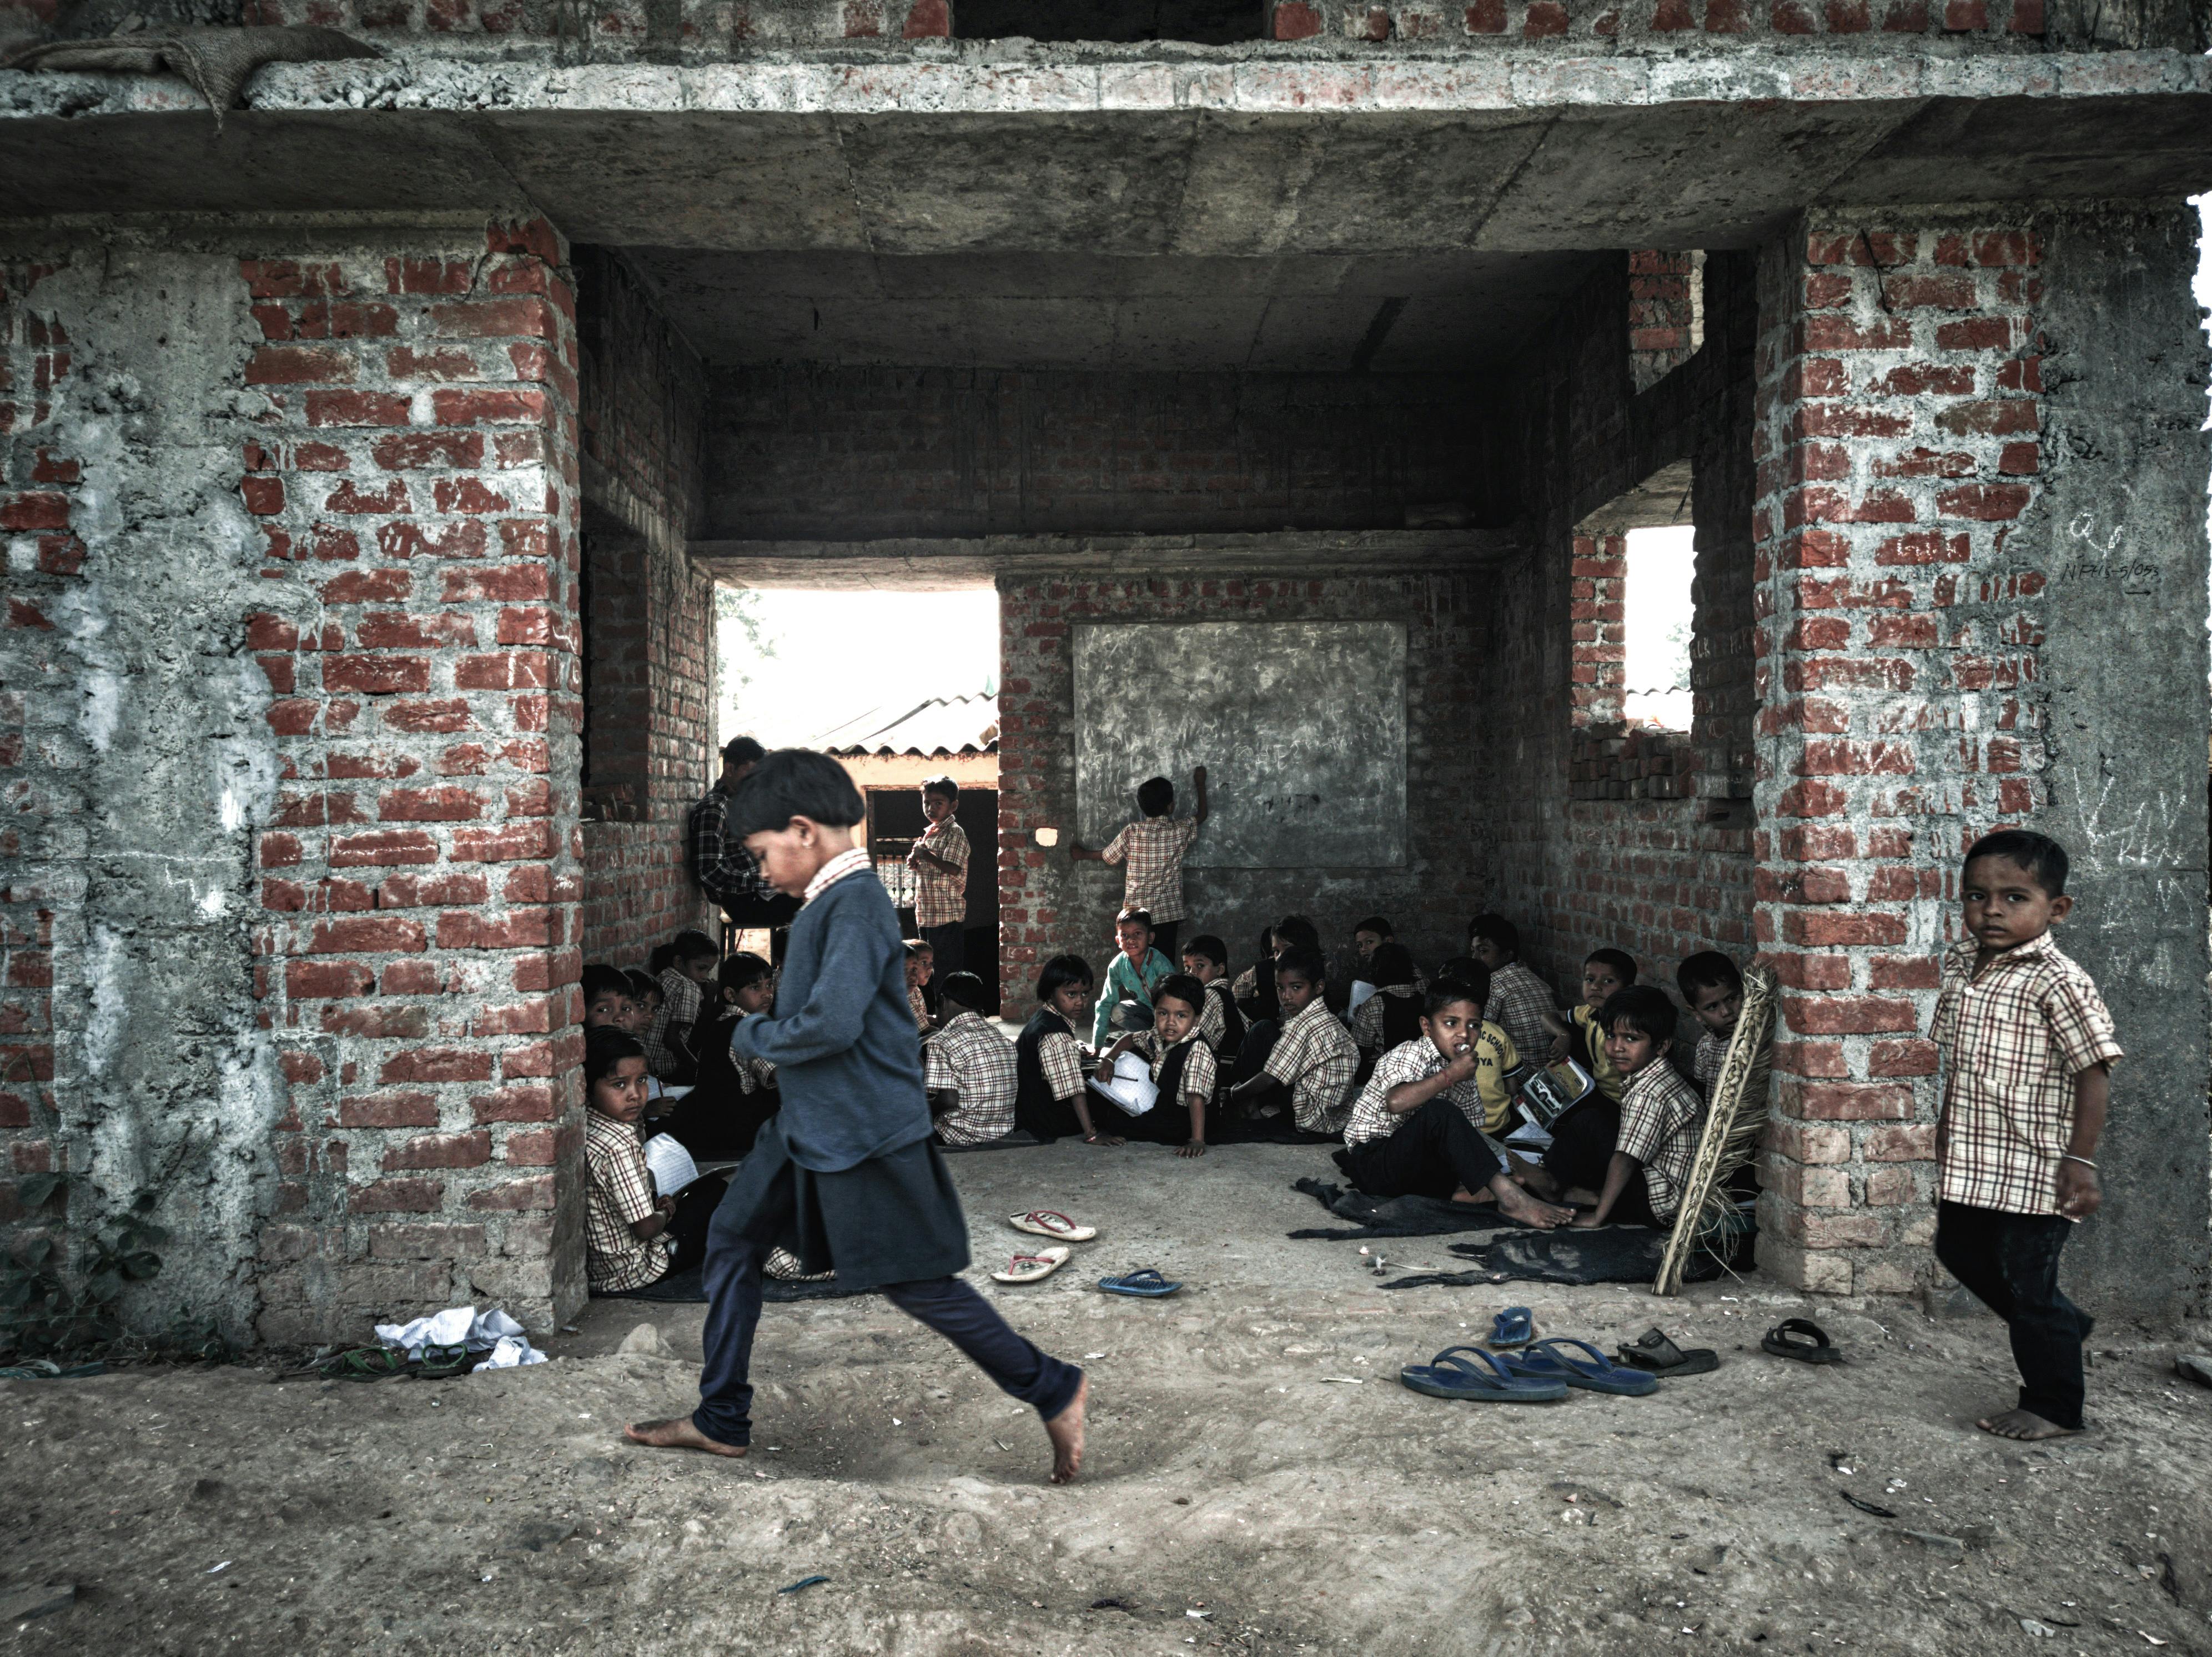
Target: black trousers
(1164, 937)
(1435, 1152)
(2009, 1263)
(948, 951)
(1582, 1143)
(695, 1211)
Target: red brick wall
(1899, 404)
(414, 479)
(1049, 905)
(1662, 309)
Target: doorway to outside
(902, 688)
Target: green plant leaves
(35, 1190)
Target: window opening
(1658, 615)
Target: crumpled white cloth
(463, 1326)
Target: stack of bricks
(414, 477)
(1899, 407)
(1585, 21)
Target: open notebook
(1132, 1088)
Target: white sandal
(1032, 1268)
(1050, 1222)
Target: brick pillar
(1664, 305)
(1900, 404)
(1596, 612)
(415, 479)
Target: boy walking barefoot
(2027, 1048)
(845, 1176)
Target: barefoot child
(1413, 1131)
(2027, 1048)
(633, 1237)
(1049, 1100)
(1221, 1022)
(1520, 1002)
(1581, 1035)
(1633, 1175)
(1182, 1069)
(1712, 989)
(845, 1175)
(1312, 1064)
(1137, 969)
(970, 1067)
(1392, 1016)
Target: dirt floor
(1257, 1480)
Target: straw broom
(1741, 1099)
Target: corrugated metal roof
(941, 727)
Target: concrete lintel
(921, 564)
(1659, 501)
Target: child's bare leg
(955, 1311)
(1534, 1176)
(1518, 1203)
(678, 1433)
(1066, 1432)
(2025, 1425)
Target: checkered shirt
(941, 900)
(2012, 1040)
(1198, 1071)
(973, 1060)
(1061, 1061)
(754, 1075)
(1409, 1060)
(1212, 1023)
(680, 1011)
(618, 1192)
(1315, 1059)
(844, 863)
(1712, 1048)
(726, 871)
(1154, 849)
(918, 1004)
(1518, 1001)
(1367, 1022)
(1662, 1117)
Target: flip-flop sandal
(1800, 1338)
(1147, 1284)
(440, 1362)
(47, 1369)
(364, 1363)
(1030, 1268)
(1653, 1351)
(1577, 1363)
(1511, 1329)
(1050, 1222)
(1468, 1371)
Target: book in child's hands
(669, 1163)
(1132, 1088)
(1546, 1095)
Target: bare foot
(676, 1432)
(1534, 1175)
(1518, 1204)
(1066, 1431)
(1578, 1197)
(1463, 1194)
(2025, 1424)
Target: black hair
(1375, 924)
(1645, 1008)
(1135, 917)
(1391, 963)
(966, 989)
(690, 944)
(1444, 992)
(2043, 857)
(1060, 971)
(1305, 960)
(1497, 930)
(1464, 969)
(920, 947)
(604, 1049)
(1184, 987)
(1211, 948)
(1619, 960)
(601, 980)
(1297, 929)
(1703, 970)
(643, 984)
(944, 785)
(741, 969)
(1156, 796)
(794, 782)
(743, 751)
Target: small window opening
(1658, 613)
(1200, 22)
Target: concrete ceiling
(1313, 313)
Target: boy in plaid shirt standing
(1154, 850)
(939, 862)
(2027, 1048)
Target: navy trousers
(736, 1244)
(948, 948)
(2009, 1263)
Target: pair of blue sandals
(1517, 1368)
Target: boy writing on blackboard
(1154, 848)
(846, 1174)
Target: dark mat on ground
(1395, 1216)
(692, 1286)
(1014, 1141)
(1270, 1130)
(1606, 1254)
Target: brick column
(415, 479)
(1900, 404)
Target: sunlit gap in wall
(1657, 616)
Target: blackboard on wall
(1301, 725)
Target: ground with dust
(1256, 1480)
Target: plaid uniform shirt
(1660, 1116)
(1315, 1059)
(618, 1192)
(727, 873)
(680, 1011)
(976, 1062)
(1198, 1071)
(1409, 1060)
(1154, 849)
(1518, 1001)
(1061, 1061)
(1367, 1022)
(1212, 1026)
(941, 900)
(1712, 1048)
(2012, 1039)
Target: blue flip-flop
(1147, 1284)
(1577, 1363)
(1514, 1327)
(1468, 1371)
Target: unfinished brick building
(365, 468)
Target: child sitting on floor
(1182, 1069)
(1580, 1035)
(1712, 989)
(1154, 849)
(1392, 1016)
(921, 964)
(1311, 1061)
(721, 1116)
(1137, 969)
(1048, 1063)
(1220, 1022)
(1519, 1001)
(607, 999)
(645, 1000)
(633, 1237)
(684, 966)
(968, 1068)
(1414, 1130)
(1367, 937)
(1628, 1166)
